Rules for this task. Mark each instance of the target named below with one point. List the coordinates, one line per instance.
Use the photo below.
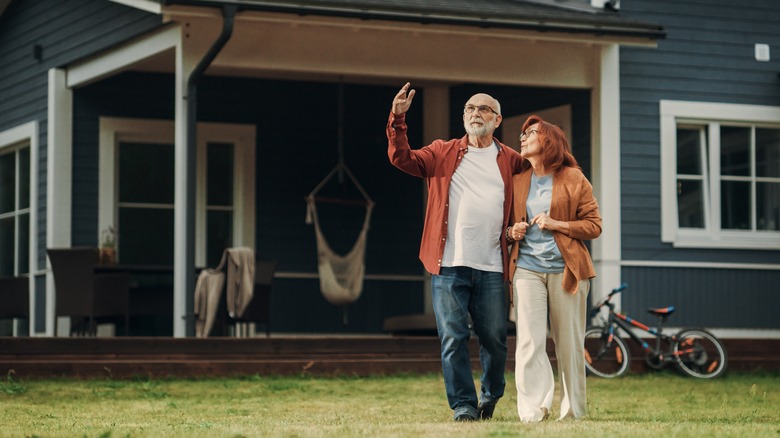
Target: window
(145, 203)
(219, 200)
(720, 175)
(15, 209)
(137, 189)
(691, 176)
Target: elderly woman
(553, 212)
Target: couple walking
(496, 215)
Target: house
(196, 125)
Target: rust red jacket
(437, 163)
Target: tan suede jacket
(573, 202)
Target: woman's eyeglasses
(527, 133)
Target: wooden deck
(32, 357)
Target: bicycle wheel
(698, 353)
(605, 355)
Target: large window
(720, 175)
(15, 209)
(137, 189)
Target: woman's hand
(517, 231)
(545, 222)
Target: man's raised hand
(402, 100)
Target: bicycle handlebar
(619, 289)
(595, 310)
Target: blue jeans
(457, 293)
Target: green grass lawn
(655, 404)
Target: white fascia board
(106, 64)
(152, 6)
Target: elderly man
(464, 244)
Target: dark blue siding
(730, 298)
(708, 56)
(65, 31)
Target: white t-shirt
(476, 212)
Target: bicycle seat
(661, 311)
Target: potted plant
(107, 250)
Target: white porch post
(184, 66)
(606, 172)
(59, 169)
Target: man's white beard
(478, 130)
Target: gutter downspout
(228, 17)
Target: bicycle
(693, 351)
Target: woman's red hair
(556, 152)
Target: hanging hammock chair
(341, 277)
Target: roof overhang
(556, 16)
(363, 39)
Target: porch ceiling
(371, 40)
(567, 16)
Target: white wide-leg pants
(535, 296)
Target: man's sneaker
(465, 417)
(485, 412)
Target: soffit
(567, 16)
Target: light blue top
(538, 251)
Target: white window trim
(113, 130)
(243, 137)
(680, 112)
(29, 133)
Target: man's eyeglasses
(483, 109)
(527, 133)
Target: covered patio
(281, 89)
